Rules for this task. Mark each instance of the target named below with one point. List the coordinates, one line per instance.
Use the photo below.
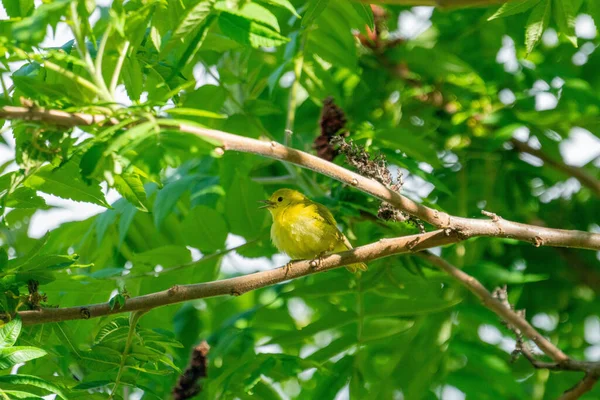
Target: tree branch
(465, 227)
(517, 322)
(580, 174)
(582, 387)
(242, 284)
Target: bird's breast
(301, 235)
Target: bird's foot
(316, 262)
(288, 266)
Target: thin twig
(466, 227)
(497, 306)
(582, 387)
(580, 174)
(242, 284)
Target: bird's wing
(328, 218)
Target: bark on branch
(465, 227)
(242, 284)
(517, 322)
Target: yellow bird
(304, 229)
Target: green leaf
(536, 24)
(133, 77)
(42, 262)
(11, 356)
(282, 3)
(168, 196)
(334, 382)
(253, 12)
(167, 256)
(249, 32)
(314, 9)
(195, 113)
(193, 19)
(66, 182)
(32, 30)
(17, 394)
(564, 15)
(3, 259)
(204, 229)
(25, 197)
(593, 8)
(18, 8)
(365, 12)
(193, 47)
(513, 8)
(132, 137)
(32, 381)
(9, 332)
(241, 208)
(130, 186)
(381, 328)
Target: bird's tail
(352, 267)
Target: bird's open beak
(267, 203)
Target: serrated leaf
(380, 328)
(3, 259)
(9, 332)
(167, 256)
(32, 381)
(314, 9)
(536, 24)
(17, 394)
(133, 77)
(130, 186)
(513, 8)
(192, 112)
(204, 229)
(66, 182)
(11, 356)
(168, 196)
(113, 330)
(365, 12)
(18, 8)
(251, 11)
(25, 197)
(131, 137)
(193, 46)
(282, 3)
(249, 32)
(193, 18)
(241, 210)
(564, 15)
(43, 262)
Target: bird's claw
(316, 262)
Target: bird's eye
(280, 199)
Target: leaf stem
(117, 72)
(133, 320)
(102, 90)
(76, 78)
(100, 53)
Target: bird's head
(283, 198)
